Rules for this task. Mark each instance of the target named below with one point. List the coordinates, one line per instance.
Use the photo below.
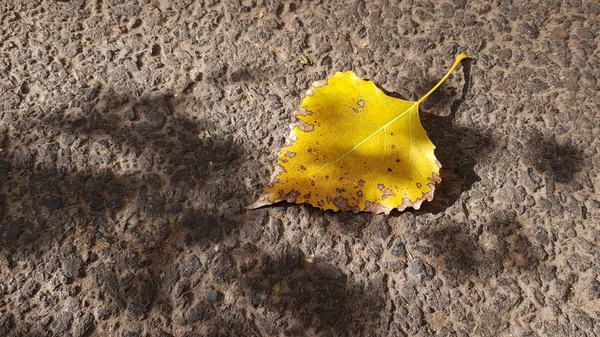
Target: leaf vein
(415, 104)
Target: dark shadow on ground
(559, 162)
(483, 252)
(318, 296)
(458, 150)
(42, 205)
(56, 197)
(361, 224)
(48, 191)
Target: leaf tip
(263, 200)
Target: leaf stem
(459, 58)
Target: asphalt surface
(133, 134)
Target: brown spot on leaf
(320, 203)
(342, 204)
(361, 103)
(302, 112)
(339, 190)
(302, 168)
(419, 185)
(302, 125)
(388, 193)
(290, 197)
(393, 146)
(359, 193)
(376, 208)
(290, 154)
(380, 187)
(406, 202)
(389, 169)
(361, 182)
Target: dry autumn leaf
(353, 148)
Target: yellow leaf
(353, 148)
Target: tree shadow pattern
(37, 183)
(483, 252)
(65, 201)
(559, 162)
(141, 224)
(319, 296)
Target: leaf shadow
(458, 150)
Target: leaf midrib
(414, 106)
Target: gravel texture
(133, 134)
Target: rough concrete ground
(134, 133)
